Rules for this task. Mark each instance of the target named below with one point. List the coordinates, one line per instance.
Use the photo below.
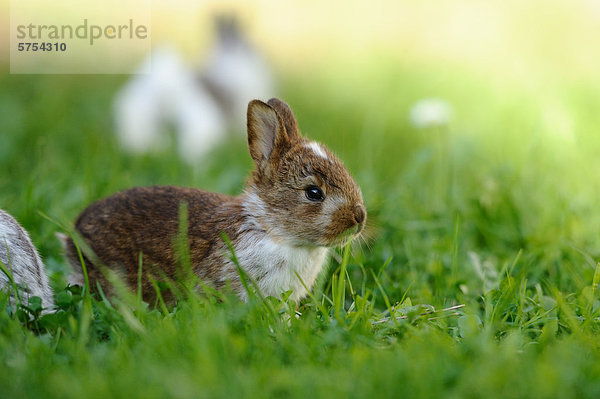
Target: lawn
(477, 277)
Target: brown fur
(273, 209)
(148, 222)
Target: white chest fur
(276, 267)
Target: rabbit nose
(359, 213)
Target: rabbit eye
(314, 193)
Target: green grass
(502, 220)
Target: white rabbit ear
(267, 138)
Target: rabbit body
(299, 201)
(22, 260)
(149, 218)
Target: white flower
(430, 112)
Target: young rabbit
(20, 259)
(299, 201)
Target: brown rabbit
(299, 201)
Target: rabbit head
(300, 192)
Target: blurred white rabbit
(20, 260)
(168, 96)
(200, 106)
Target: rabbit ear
(267, 138)
(289, 120)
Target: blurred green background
(496, 209)
(520, 79)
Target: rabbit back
(146, 221)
